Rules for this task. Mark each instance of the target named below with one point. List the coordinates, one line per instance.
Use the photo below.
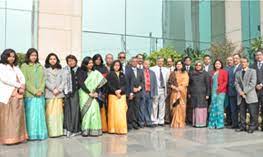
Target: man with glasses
(122, 58)
(232, 93)
(135, 89)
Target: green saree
(89, 107)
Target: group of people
(38, 102)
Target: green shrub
(165, 53)
(21, 58)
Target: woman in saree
(117, 105)
(90, 82)
(219, 89)
(71, 102)
(34, 96)
(99, 66)
(54, 95)
(177, 91)
(12, 113)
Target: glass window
(144, 16)
(137, 45)
(20, 4)
(103, 16)
(2, 4)
(2, 30)
(101, 43)
(18, 30)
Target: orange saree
(178, 98)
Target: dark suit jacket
(134, 82)
(116, 83)
(259, 76)
(231, 80)
(190, 70)
(210, 68)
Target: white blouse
(8, 81)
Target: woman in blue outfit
(219, 89)
(34, 96)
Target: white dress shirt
(207, 68)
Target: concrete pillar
(60, 28)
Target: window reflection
(16, 24)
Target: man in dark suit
(150, 92)
(232, 93)
(258, 66)
(188, 64)
(245, 83)
(208, 67)
(135, 91)
(189, 108)
(229, 68)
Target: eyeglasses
(198, 65)
(122, 57)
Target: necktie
(243, 73)
(161, 79)
(259, 65)
(135, 72)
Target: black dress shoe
(135, 127)
(129, 128)
(161, 125)
(232, 127)
(154, 125)
(240, 130)
(149, 125)
(250, 131)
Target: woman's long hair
(6, 53)
(28, 53)
(85, 62)
(48, 65)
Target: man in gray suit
(245, 83)
(150, 92)
(258, 66)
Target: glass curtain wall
(134, 26)
(18, 24)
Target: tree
(222, 50)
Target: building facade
(86, 27)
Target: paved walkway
(158, 142)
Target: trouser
(158, 107)
(148, 108)
(134, 116)
(189, 112)
(233, 110)
(228, 116)
(260, 105)
(253, 111)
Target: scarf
(68, 77)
